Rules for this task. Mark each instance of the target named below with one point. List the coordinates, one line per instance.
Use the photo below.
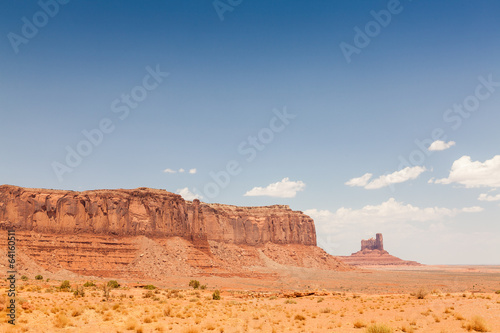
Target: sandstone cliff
(154, 213)
(372, 253)
(154, 234)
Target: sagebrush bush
(113, 284)
(216, 295)
(194, 283)
(38, 277)
(65, 285)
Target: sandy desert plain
(376, 299)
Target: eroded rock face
(150, 212)
(153, 234)
(373, 243)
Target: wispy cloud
(282, 189)
(396, 177)
(187, 194)
(439, 145)
(181, 170)
(471, 174)
(486, 197)
(360, 181)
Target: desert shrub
(61, 320)
(203, 287)
(38, 277)
(24, 278)
(76, 312)
(421, 293)
(378, 328)
(113, 284)
(79, 291)
(105, 291)
(477, 324)
(497, 292)
(150, 287)
(359, 324)
(216, 295)
(194, 283)
(299, 317)
(89, 284)
(65, 285)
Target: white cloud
(360, 181)
(387, 212)
(396, 177)
(282, 189)
(169, 171)
(181, 170)
(187, 194)
(439, 145)
(474, 174)
(486, 197)
(474, 209)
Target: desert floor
(452, 299)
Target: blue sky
(220, 83)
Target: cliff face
(147, 234)
(149, 212)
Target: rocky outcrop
(149, 212)
(372, 253)
(373, 243)
(154, 234)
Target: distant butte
(373, 254)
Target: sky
(369, 116)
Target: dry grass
(421, 293)
(379, 328)
(477, 324)
(61, 320)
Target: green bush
(216, 295)
(203, 287)
(194, 283)
(89, 284)
(24, 278)
(38, 277)
(150, 287)
(65, 285)
(113, 284)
